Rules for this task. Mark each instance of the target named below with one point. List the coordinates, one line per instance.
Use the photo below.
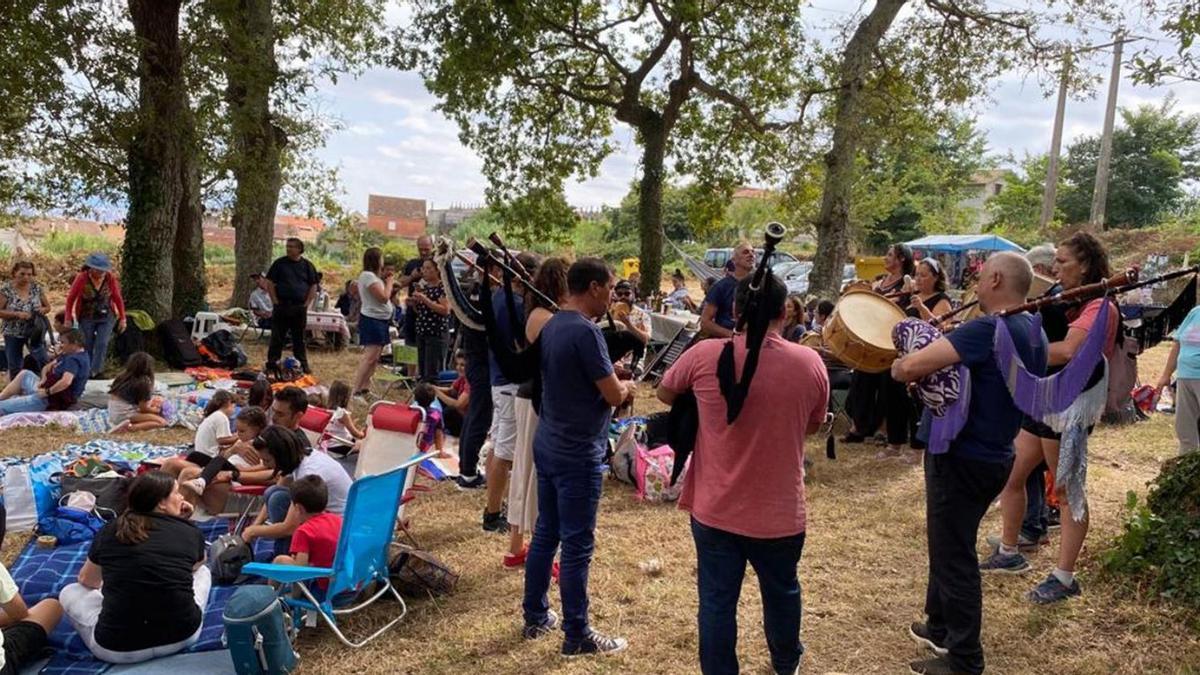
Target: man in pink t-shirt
(745, 485)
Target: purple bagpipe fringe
(1060, 401)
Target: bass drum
(1040, 285)
(976, 310)
(812, 339)
(859, 332)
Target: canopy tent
(961, 243)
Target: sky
(394, 142)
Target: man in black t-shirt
(292, 283)
(412, 276)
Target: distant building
(747, 192)
(41, 227)
(980, 188)
(396, 216)
(444, 220)
(305, 229)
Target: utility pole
(1100, 193)
(1055, 145)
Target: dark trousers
(958, 492)
(288, 321)
(431, 356)
(898, 405)
(453, 420)
(865, 402)
(567, 506)
(721, 559)
(1036, 522)
(479, 413)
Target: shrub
(1159, 548)
(63, 243)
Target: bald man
(716, 319)
(961, 483)
(412, 276)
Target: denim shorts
(373, 331)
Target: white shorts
(504, 421)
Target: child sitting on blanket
(341, 436)
(431, 433)
(25, 629)
(132, 405)
(212, 433)
(238, 461)
(316, 538)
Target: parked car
(717, 257)
(795, 275)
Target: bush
(215, 254)
(1160, 546)
(64, 243)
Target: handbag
(418, 574)
(109, 493)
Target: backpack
(226, 558)
(258, 633)
(178, 349)
(418, 574)
(129, 342)
(223, 350)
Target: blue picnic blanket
(43, 573)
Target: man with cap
(260, 300)
(94, 303)
(292, 283)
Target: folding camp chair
(361, 558)
(839, 391)
(313, 423)
(393, 377)
(391, 437)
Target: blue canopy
(961, 243)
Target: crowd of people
(534, 394)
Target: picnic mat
(43, 573)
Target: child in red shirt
(315, 541)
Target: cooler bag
(258, 632)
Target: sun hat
(98, 261)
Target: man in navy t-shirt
(961, 483)
(579, 391)
(716, 319)
(60, 384)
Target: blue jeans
(721, 559)
(96, 334)
(27, 400)
(1036, 523)
(14, 353)
(567, 505)
(279, 500)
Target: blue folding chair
(361, 557)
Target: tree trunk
(654, 149)
(188, 255)
(834, 220)
(252, 71)
(155, 159)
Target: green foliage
(1154, 152)
(1017, 210)
(1159, 548)
(64, 243)
(215, 254)
(1182, 23)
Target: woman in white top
(375, 318)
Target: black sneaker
(1053, 518)
(495, 522)
(475, 482)
(537, 630)
(594, 643)
(934, 666)
(924, 637)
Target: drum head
(870, 317)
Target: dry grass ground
(863, 574)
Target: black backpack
(178, 349)
(226, 558)
(224, 348)
(129, 342)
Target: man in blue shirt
(961, 483)
(716, 318)
(579, 391)
(61, 383)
